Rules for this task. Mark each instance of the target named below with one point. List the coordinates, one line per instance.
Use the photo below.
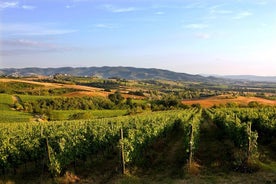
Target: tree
(167, 102)
(129, 102)
(116, 98)
(254, 104)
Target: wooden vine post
(44, 154)
(191, 145)
(123, 165)
(249, 134)
(48, 150)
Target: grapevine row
(246, 127)
(66, 142)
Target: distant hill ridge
(130, 73)
(251, 78)
(107, 72)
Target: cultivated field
(224, 99)
(68, 133)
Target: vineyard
(242, 128)
(55, 147)
(66, 142)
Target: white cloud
(116, 9)
(196, 26)
(159, 13)
(242, 15)
(28, 7)
(204, 36)
(222, 11)
(216, 11)
(13, 47)
(121, 10)
(33, 30)
(264, 25)
(198, 4)
(82, 0)
(105, 26)
(49, 32)
(262, 2)
(69, 6)
(26, 43)
(4, 5)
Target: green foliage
(138, 93)
(11, 115)
(106, 84)
(91, 114)
(33, 98)
(254, 104)
(81, 115)
(197, 105)
(190, 128)
(116, 98)
(129, 102)
(17, 87)
(241, 127)
(68, 141)
(44, 105)
(167, 102)
(263, 121)
(5, 102)
(24, 88)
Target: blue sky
(190, 36)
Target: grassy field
(14, 117)
(5, 102)
(85, 114)
(9, 115)
(47, 85)
(31, 98)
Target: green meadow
(8, 113)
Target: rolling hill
(251, 78)
(132, 73)
(108, 72)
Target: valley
(174, 131)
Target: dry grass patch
(223, 99)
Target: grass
(31, 98)
(5, 101)
(57, 115)
(215, 178)
(13, 116)
(17, 86)
(86, 114)
(139, 102)
(8, 115)
(270, 167)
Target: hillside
(108, 72)
(131, 73)
(250, 78)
